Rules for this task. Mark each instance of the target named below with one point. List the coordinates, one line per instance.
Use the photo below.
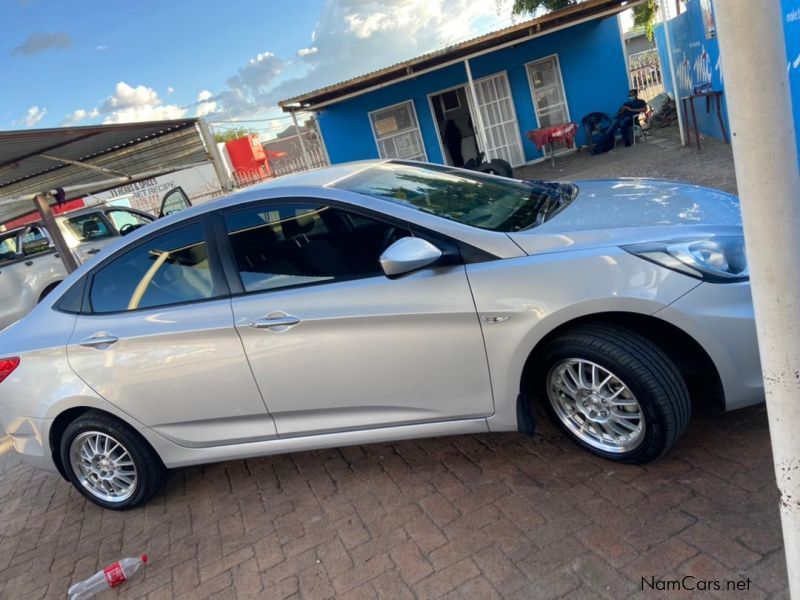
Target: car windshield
(471, 198)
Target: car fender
(520, 301)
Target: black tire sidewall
(654, 443)
(148, 468)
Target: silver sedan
(383, 301)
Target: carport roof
(559, 19)
(89, 159)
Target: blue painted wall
(696, 60)
(593, 68)
(689, 41)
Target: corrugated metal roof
(127, 148)
(138, 150)
(558, 19)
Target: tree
(226, 135)
(644, 16)
(525, 7)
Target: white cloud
(307, 51)
(205, 104)
(80, 115)
(33, 115)
(130, 104)
(101, 48)
(353, 37)
(170, 89)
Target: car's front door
(157, 340)
(335, 344)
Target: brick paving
(488, 516)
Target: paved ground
(661, 156)
(464, 517)
(486, 516)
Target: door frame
(536, 107)
(504, 73)
(433, 115)
(416, 120)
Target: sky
(85, 61)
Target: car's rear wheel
(109, 462)
(614, 392)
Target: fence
(645, 70)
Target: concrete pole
(478, 118)
(756, 84)
(673, 77)
(215, 157)
(64, 252)
(306, 159)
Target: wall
(593, 67)
(696, 59)
(689, 42)
(791, 31)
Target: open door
(174, 201)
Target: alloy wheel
(595, 405)
(103, 466)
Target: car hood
(623, 211)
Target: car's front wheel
(614, 392)
(109, 462)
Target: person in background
(622, 122)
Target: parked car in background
(382, 301)
(30, 266)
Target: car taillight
(7, 366)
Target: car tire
(47, 290)
(603, 418)
(496, 166)
(109, 462)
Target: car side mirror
(408, 254)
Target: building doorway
(455, 126)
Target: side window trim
(453, 247)
(217, 276)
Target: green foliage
(226, 135)
(644, 16)
(529, 7)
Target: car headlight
(716, 259)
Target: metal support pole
(765, 156)
(478, 117)
(306, 159)
(216, 158)
(665, 21)
(43, 206)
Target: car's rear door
(156, 338)
(336, 345)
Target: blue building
(550, 70)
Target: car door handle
(101, 341)
(277, 322)
(93, 251)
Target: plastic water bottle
(113, 575)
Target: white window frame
(470, 102)
(416, 120)
(533, 92)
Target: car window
(35, 241)
(169, 269)
(8, 247)
(126, 221)
(287, 245)
(471, 198)
(88, 227)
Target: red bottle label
(114, 574)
